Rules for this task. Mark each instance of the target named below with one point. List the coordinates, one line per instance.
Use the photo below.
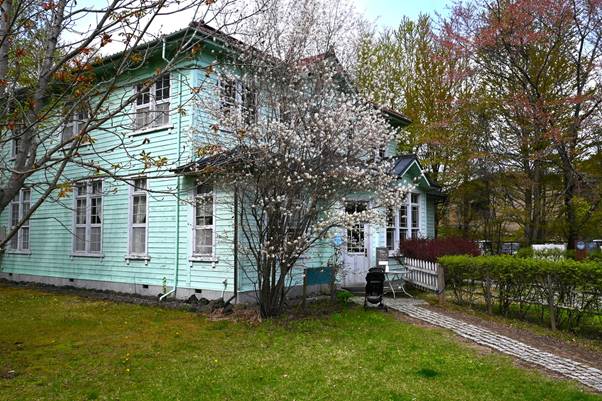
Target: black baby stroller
(375, 286)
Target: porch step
(355, 290)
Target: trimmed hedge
(431, 249)
(568, 290)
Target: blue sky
(388, 13)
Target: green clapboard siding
(51, 225)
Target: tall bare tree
(56, 76)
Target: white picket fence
(425, 275)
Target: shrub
(432, 249)
(524, 252)
(595, 256)
(568, 289)
(344, 296)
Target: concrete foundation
(138, 289)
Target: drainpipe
(178, 184)
(235, 244)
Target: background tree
(412, 70)
(539, 60)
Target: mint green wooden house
(116, 235)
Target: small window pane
(96, 210)
(143, 118)
(139, 209)
(68, 132)
(14, 214)
(415, 216)
(139, 240)
(25, 238)
(140, 184)
(162, 114)
(204, 241)
(80, 239)
(390, 238)
(143, 95)
(80, 211)
(162, 88)
(14, 241)
(96, 187)
(80, 190)
(95, 239)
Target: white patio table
(397, 275)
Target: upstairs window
(74, 125)
(152, 104)
(249, 103)
(15, 146)
(227, 90)
(239, 97)
(18, 209)
(138, 217)
(88, 218)
(203, 221)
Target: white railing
(424, 274)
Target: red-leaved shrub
(432, 249)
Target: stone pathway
(587, 375)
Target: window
(203, 221)
(88, 218)
(238, 96)
(403, 221)
(356, 234)
(295, 224)
(249, 104)
(75, 124)
(403, 225)
(227, 89)
(18, 209)
(152, 104)
(15, 147)
(390, 239)
(415, 215)
(138, 217)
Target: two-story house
(146, 235)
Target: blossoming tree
(293, 139)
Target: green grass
(67, 348)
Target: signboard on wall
(382, 257)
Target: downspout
(178, 185)
(236, 244)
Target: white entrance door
(356, 253)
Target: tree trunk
(569, 206)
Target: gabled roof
(403, 163)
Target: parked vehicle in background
(509, 248)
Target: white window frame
(14, 148)
(135, 191)
(203, 256)
(391, 223)
(237, 101)
(414, 224)
(404, 231)
(152, 104)
(88, 225)
(361, 226)
(18, 238)
(77, 120)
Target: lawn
(67, 348)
